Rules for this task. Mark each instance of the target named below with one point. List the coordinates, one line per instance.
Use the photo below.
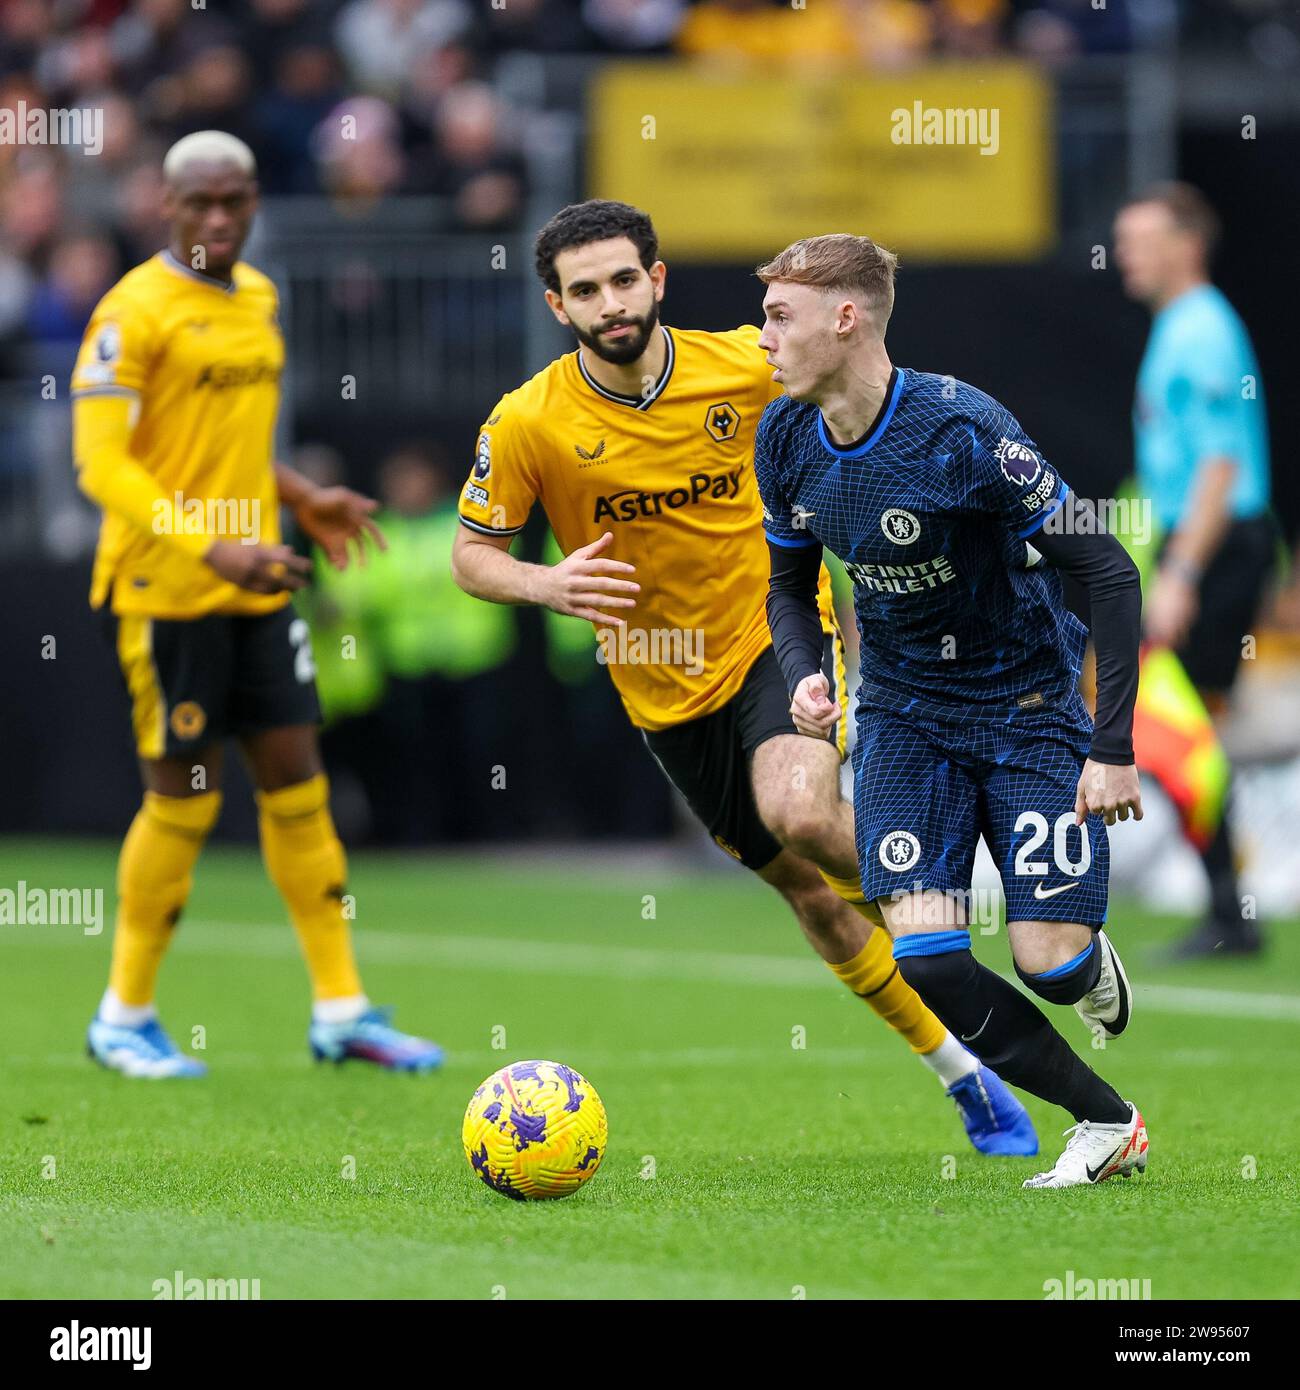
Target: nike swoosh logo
(1040, 892)
(1093, 1173)
(980, 1029)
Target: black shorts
(196, 681)
(708, 760)
(1230, 592)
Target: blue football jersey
(1199, 397)
(933, 514)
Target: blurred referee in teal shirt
(1202, 459)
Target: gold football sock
(154, 876)
(305, 861)
(850, 889)
(873, 976)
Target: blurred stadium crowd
(416, 75)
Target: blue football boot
(995, 1120)
(145, 1050)
(370, 1038)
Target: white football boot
(1097, 1152)
(1108, 1005)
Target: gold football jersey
(671, 475)
(203, 361)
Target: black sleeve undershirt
(792, 611)
(1095, 559)
(1101, 564)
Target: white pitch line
(595, 960)
(1220, 1003)
(868, 1061)
(487, 1060)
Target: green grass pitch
(739, 1165)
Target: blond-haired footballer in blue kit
(953, 526)
(175, 396)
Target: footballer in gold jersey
(175, 395)
(639, 447)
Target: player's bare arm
(1172, 607)
(261, 569)
(581, 585)
(332, 516)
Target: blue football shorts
(924, 792)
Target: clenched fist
(812, 709)
(1108, 790)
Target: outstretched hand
(333, 516)
(583, 584)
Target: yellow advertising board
(943, 163)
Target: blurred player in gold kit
(640, 448)
(175, 396)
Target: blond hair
(208, 147)
(842, 264)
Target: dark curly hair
(597, 219)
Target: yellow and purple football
(535, 1129)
